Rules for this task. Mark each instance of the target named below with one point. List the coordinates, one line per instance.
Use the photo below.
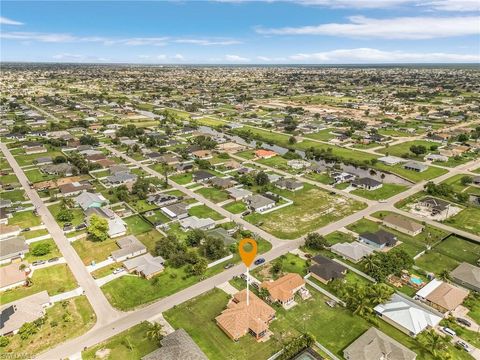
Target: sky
(241, 31)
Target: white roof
(116, 226)
(408, 314)
(427, 289)
(193, 222)
(391, 159)
(354, 250)
(239, 192)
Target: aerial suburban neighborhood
(126, 188)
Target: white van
(449, 331)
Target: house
(232, 165)
(95, 157)
(379, 239)
(289, 184)
(162, 199)
(238, 318)
(415, 166)
(436, 157)
(391, 160)
(265, 154)
(367, 183)
(25, 310)
(13, 275)
(168, 159)
(202, 176)
(467, 275)
(130, 247)
(4, 216)
(354, 251)
(175, 211)
(435, 206)
(222, 183)
(298, 164)
(5, 203)
(193, 222)
(259, 203)
(177, 346)
(74, 188)
(283, 290)
(88, 200)
(222, 234)
(145, 265)
(43, 160)
(408, 315)
(62, 169)
(202, 154)
(230, 147)
(375, 345)
(7, 231)
(325, 270)
(13, 249)
(341, 177)
(35, 150)
(441, 296)
(403, 224)
(184, 167)
(238, 193)
(116, 226)
(121, 178)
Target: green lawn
(213, 194)
(323, 178)
(36, 175)
(141, 205)
(78, 216)
(323, 135)
(72, 320)
(203, 211)
(9, 179)
(25, 219)
(34, 233)
(312, 208)
(404, 148)
(455, 182)
(137, 225)
(339, 237)
(468, 220)
(182, 179)
(54, 252)
(14, 195)
(97, 251)
(236, 207)
(131, 344)
(55, 279)
(149, 239)
(431, 173)
(385, 192)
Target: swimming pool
(416, 280)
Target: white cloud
(68, 57)
(7, 21)
(394, 28)
(452, 5)
(204, 42)
(236, 58)
(357, 4)
(369, 55)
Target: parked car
(464, 322)
(259, 261)
(449, 331)
(118, 270)
(463, 345)
(53, 259)
(26, 229)
(245, 213)
(81, 226)
(229, 265)
(38, 262)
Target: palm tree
(433, 342)
(380, 294)
(444, 275)
(370, 263)
(155, 332)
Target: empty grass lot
(82, 318)
(203, 211)
(236, 207)
(97, 251)
(182, 179)
(55, 279)
(385, 192)
(14, 195)
(431, 173)
(78, 216)
(131, 344)
(312, 208)
(213, 194)
(468, 220)
(24, 219)
(137, 225)
(404, 148)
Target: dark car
(464, 322)
(53, 259)
(245, 213)
(38, 262)
(81, 226)
(229, 265)
(26, 229)
(259, 261)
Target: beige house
(403, 224)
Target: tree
(276, 267)
(261, 178)
(89, 140)
(97, 228)
(65, 215)
(199, 267)
(59, 159)
(433, 342)
(41, 249)
(27, 329)
(213, 248)
(155, 332)
(195, 237)
(4, 341)
(140, 188)
(418, 149)
(466, 180)
(315, 241)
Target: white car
(118, 270)
(449, 331)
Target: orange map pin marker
(247, 256)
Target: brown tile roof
(11, 274)
(239, 318)
(447, 296)
(283, 289)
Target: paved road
(104, 311)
